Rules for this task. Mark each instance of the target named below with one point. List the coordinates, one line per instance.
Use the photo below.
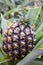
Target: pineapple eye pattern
(19, 40)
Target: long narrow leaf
(0, 41)
(40, 28)
(39, 35)
(36, 62)
(13, 3)
(41, 46)
(33, 14)
(3, 23)
(30, 57)
(2, 60)
(38, 9)
(39, 43)
(39, 23)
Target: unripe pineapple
(18, 40)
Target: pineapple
(18, 40)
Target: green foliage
(4, 24)
(33, 15)
(36, 62)
(30, 57)
(36, 15)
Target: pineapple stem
(12, 61)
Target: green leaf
(4, 54)
(13, 3)
(36, 62)
(39, 35)
(3, 23)
(38, 44)
(30, 57)
(40, 28)
(3, 59)
(12, 10)
(6, 63)
(3, 1)
(0, 41)
(41, 46)
(25, 3)
(1, 55)
(11, 20)
(0, 44)
(33, 14)
(7, 13)
(39, 23)
(38, 9)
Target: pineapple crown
(22, 17)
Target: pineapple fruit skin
(18, 40)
